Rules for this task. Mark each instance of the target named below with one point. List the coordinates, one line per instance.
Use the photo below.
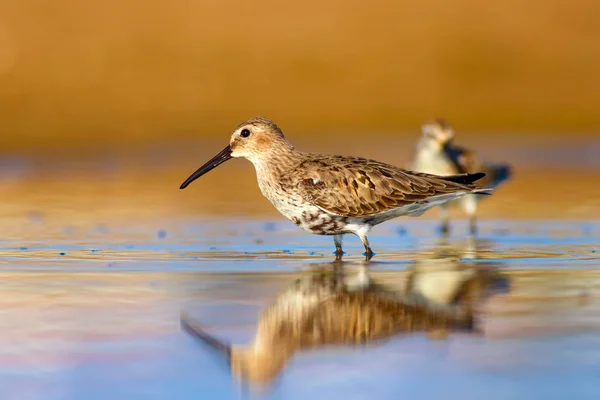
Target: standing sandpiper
(334, 195)
(437, 154)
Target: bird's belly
(305, 215)
(312, 219)
(318, 222)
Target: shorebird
(334, 195)
(326, 309)
(436, 153)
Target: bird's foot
(368, 254)
(339, 253)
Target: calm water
(96, 266)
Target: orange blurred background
(78, 73)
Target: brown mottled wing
(356, 187)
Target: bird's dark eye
(245, 133)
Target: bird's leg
(445, 227)
(368, 252)
(337, 239)
(470, 205)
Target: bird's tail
(464, 179)
(468, 179)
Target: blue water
(102, 320)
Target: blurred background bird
(437, 154)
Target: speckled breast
(305, 215)
(318, 222)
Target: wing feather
(357, 187)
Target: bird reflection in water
(453, 276)
(330, 307)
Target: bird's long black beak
(220, 158)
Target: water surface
(98, 262)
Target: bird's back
(360, 188)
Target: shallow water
(99, 318)
(96, 267)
